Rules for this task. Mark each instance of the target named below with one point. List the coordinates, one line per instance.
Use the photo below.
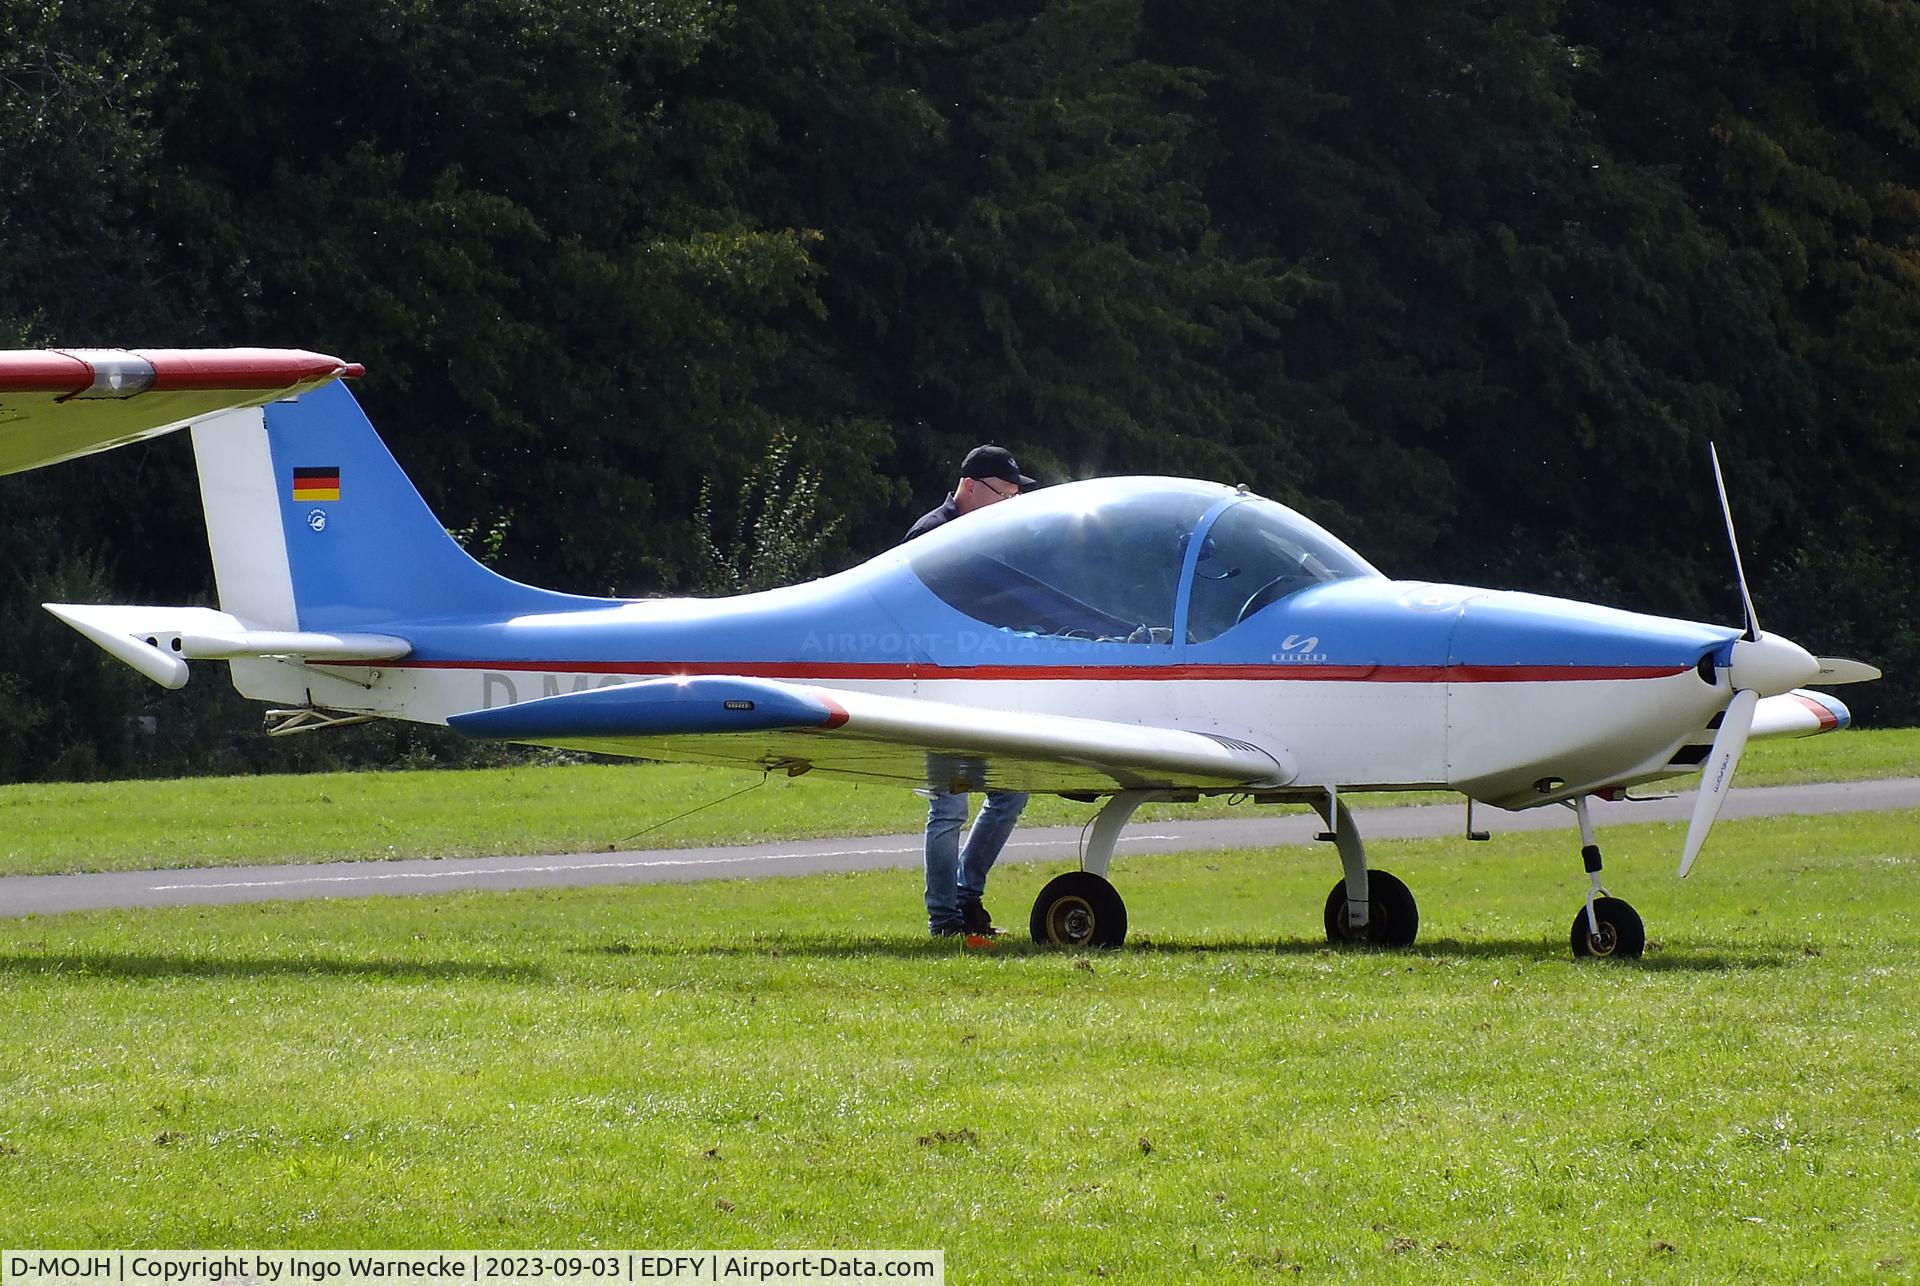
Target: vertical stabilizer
(314, 526)
(243, 520)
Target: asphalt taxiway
(1261, 828)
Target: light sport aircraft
(1125, 639)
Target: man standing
(957, 880)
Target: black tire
(1079, 909)
(1393, 918)
(1622, 936)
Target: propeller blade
(1740, 573)
(1835, 670)
(1735, 724)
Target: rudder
(314, 526)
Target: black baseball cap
(994, 462)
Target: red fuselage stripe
(800, 670)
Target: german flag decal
(316, 484)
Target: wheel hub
(1071, 921)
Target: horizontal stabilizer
(59, 404)
(159, 641)
(768, 724)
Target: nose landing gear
(1606, 928)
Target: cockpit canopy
(1107, 560)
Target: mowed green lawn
(584, 808)
(788, 1063)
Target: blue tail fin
(362, 548)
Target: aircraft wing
(766, 725)
(58, 404)
(1799, 713)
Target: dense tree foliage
(1475, 283)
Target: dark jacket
(946, 513)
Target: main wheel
(1621, 936)
(1393, 918)
(1079, 909)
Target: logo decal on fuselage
(1298, 648)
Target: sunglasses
(1004, 495)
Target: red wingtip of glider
(68, 372)
(43, 372)
(238, 368)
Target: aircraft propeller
(1757, 665)
(1836, 670)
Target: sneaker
(948, 931)
(978, 922)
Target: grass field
(584, 808)
(788, 1063)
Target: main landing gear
(1081, 908)
(1365, 908)
(1606, 928)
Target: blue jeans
(956, 879)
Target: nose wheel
(1615, 931)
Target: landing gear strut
(1606, 928)
(1366, 907)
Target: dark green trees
(1473, 283)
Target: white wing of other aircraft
(65, 403)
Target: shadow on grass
(1754, 956)
(126, 965)
(123, 966)
(1765, 955)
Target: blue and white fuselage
(1163, 603)
(1133, 638)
